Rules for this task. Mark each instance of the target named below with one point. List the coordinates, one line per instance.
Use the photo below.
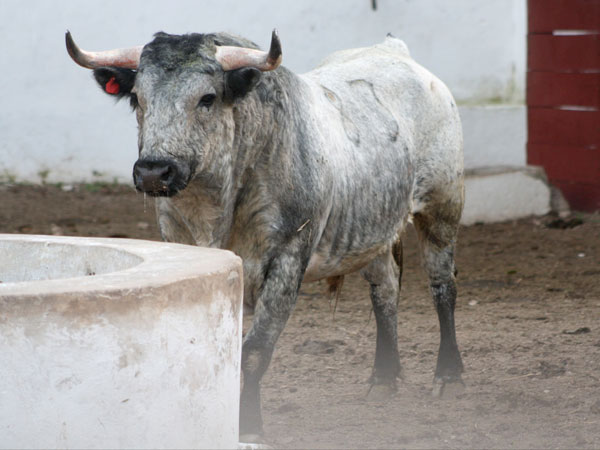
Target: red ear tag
(112, 87)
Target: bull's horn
(232, 58)
(127, 58)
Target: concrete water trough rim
(159, 263)
(146, 355)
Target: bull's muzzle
(159, 178)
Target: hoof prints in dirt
(315, 347)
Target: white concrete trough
(118, 343)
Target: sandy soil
(528, 325)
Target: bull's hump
(391, 47)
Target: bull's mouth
(158, 192)
(159, 177)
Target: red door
(563, 96)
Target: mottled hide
(306, 177)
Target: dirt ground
(528, 325)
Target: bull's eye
(207, 100)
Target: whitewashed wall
(56, 125)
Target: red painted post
(563, 96)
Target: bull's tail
(397, 253)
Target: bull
(306, 177)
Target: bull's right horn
(232, 58)
(127, 58)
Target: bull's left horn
(127, 58)
(232, 58)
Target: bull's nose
(157, 177)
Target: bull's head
(183, 89)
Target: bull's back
(387, 100)
(387, 125)
(386, 79)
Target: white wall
(55, 124)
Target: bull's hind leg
(384, 297)
(437, 236)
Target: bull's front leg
(275, 302)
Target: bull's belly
(324, 266)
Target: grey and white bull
(306, 177)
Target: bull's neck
(265, 128)
(268, 120)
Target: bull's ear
(115, 80)
(241, 81)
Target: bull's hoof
(381, 392)
(251, 439)
(447, 388)
(245, 445)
